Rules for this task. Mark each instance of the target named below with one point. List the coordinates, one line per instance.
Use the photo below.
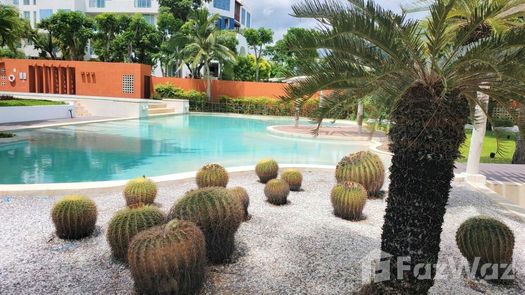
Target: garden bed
(300, 248)
(17, 102)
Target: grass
(490, 145)
(6, 135)
(27, 102)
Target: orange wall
(92, 78)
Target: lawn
(27, 102)
(507, 147)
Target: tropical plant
(218, 215)
(74, 217)
(277, 191)
(241, 195)
(257, 39)
(267, 169)
(140, 190)
(348, 200)
(139, 40)
(108, 27)
(490, 241)
(294, 178)
(204, 43)
(168, 259)
(431, 75)
(362, 167)
(212, 175)
(246, 67)
(12, 27)
(127, 223)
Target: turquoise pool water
(155, 146)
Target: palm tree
(431, 76)
(12, 27)
(204, 44)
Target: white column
(478, 135)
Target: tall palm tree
(431, 76)
(12, 27)
(204, 44)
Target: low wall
(34, 113)
(114, 108)
(181, 106)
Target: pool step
(157, 105)
(80, 110)
(158, 111)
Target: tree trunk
(257, 69)
(208, 80)
(360, 116)
(426, 136)
(519, 154)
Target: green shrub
(127, 223)
(218, 215)
(168, 259)
(212, 175)
(267, 169)
(294, 178)
(277, 191)
(6, 135)
(140, 190)
(504, 122)
(74, 217)
(267, 106)
(365, 168)
(490, 240)
(348, 200)
(167, 90)
(241, 195)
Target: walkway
(499, 172)
(349, 132)
(51, 123)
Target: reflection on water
(156, 146)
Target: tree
(140, 40)
(204, 44)
(181, 9)
(257, 39)
(245, 68)
(12, 27)
(45, 40)
(108, 27)
(430, 75)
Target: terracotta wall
(75, 77)
(228, 88)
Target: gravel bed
(299, 248)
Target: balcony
(122, 6)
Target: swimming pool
(156, 146)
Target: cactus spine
(127, 223)
(365, 168)
(140, 190)
(294, 178)
(74, 217)
(348, 200)
(218, 215)
(267, 170)
(212, 175)
(168, 259)
(276, 191)
(241, 195)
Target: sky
(275, 14)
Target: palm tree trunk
(519, 154)
(426, 137)
(208, 80)
(257, 69)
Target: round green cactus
(489, 240)
(74, 217)
(168, 259)
(294, 178)
(277, 191)
(363, 167)
(348, 200)
(218, 215)
(267, 170)
(127, 223)
(140, 190)
(241, 195)
(212, 175)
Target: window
(128, 84)
(222, 4)
(149, 18)
(45, 13)
(243, 16)
(97, 3)
(27, 15)
(27, 2)
(3, 78)
(143, 3)
(16, 2)
(34, 19)
(248, 20)
(34, 2)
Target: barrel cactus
(218, 215)
(212, 175)
(294, 178)
(277, 191)
(365, 168)
(74, 217)
(348, 200)
(168, 259)
(127, 223)
(267, 170)
(241, 195)
(490, 240)
(140, 190)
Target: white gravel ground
(300, 248)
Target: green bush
(140, 190)
(362, 167)
(168, 259)
(267, 169)
(277, 191)
(348, 200)
(168, 90)
(212, 175)
(266, 106)
(294, 178)
(505, 122)
(74, 217)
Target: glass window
(150, 19)
(248, 20)
(34, 19)
(34, 2)
(45, 13)
(26, 2)
(222, 4)
(243, 16)
(27, 15)
(15, 2)
(97, 3)
(143, 3)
